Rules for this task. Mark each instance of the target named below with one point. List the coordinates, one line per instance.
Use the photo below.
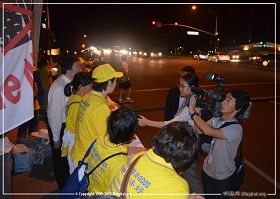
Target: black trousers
(31, 126)
(60, 164)
(215, 186)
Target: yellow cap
(104, 73)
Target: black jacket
(171, 103)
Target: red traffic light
(157, 24)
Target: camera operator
(219, 165)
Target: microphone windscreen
(209, 76)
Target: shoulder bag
(123, 189)
(78, 181)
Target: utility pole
(49, 32)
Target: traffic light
(157, 23)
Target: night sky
(131, 25)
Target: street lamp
(84, 41)
(193, 7)
(216, 24)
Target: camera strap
(228, 123)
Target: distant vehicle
(218, 57)
(266, 60)
(254, 58)
(235, 58)
(153, 54)
(142, 54)
(195, 56)
(156, 54)
(203, 56)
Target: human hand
(142, 121)
(195, 196)
(114, 107)
(192, 104)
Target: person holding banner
(56, 116)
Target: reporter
(173, 97)
(219, 165)
(186, 82)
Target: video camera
(211, 99)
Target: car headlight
(152, 54)
(54, 71)
(160, 54)
(145, 54)
(235, 56)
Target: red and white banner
(16, 66)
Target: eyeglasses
(182, 86)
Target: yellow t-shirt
(72, 108)
(152, 175)
(106, 172)
(91, 122)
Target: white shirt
(56, 106)
(182, 114)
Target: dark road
(152, 78)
